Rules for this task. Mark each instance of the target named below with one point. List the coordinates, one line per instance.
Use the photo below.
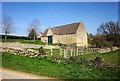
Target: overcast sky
(51, 14)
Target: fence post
(74, 52)
(60, 51)
(77, 51)
(97, 49)
(51, 51)
(90, 50)
(65, 53)
(71, 52)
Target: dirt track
(12, 74)
(23, 46)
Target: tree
(111, 32)
(109, 28)
(98, 41)
(90, 38)
(7, 26)
(32, 34)
(34, 26)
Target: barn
(73, 33)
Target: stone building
(74, 33)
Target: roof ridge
(66, 24)
(70, 28)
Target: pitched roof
(64, 29)
(45, 33)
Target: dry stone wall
(29, 52)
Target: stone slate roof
(45, 33)
(64, 29)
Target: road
(12, 74)
(23, 46)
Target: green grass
(24, 41)
(64, 70)
(111, 57)
(38, 42)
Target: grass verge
(65, 70)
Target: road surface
(12, 74)
(23, 46)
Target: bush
(74, 58)
(77, 59)
(41, 51)
(99, 63)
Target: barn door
(50, 39)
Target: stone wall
(64, 39)
(81, 36)
(23, 52)
(105, 50)
(44, 39)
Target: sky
(51, 14)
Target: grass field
(38, 42)
(111, 57)
(24, 41)
(64, 70)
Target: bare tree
(7, 25)
(109, 28)
(111, 32)
(34, 25)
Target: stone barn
(74, 33)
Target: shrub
(74, 58)
(41, 51)
(77, 59)
(99, 63)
